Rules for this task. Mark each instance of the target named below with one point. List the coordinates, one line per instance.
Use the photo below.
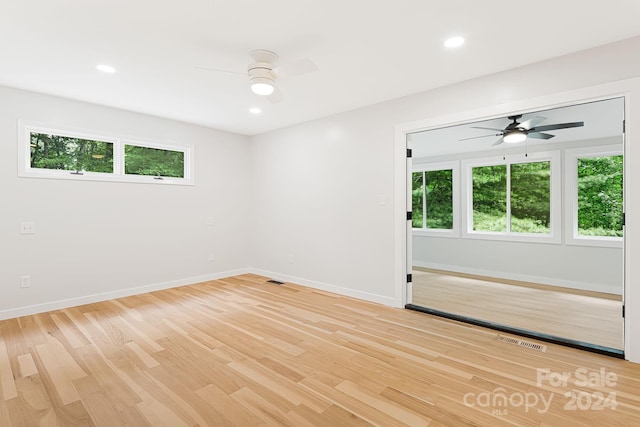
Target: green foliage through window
(153, 161)
(417, 194)
(489, 198)
(439, 199)
(531, 197)
(78, 155)
(600, 203)
(59, 152)
(528, 204)
(432, 199)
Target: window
(65, 154)
(489, 198)
(527, 209)
(417, 197)
(434, 198)
(153, 161)
(595, 196)
(70, 153)
(514, 198)
(600, 196)
(439, 199)
(531, 197)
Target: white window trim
(454, 232)
(24, 157)
(554, 236)
(571, 200)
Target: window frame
(25, 129)
(555, 202)
(25, 162)
(571, 200)
(144, 178)
(454, 166)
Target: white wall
(322, 198)
(318, 184)
(579, 267)
(111, 238)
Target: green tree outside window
(600, 196)
(59, 152)
(153, 161)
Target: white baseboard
(88, 299)
(594, 287)
(366, 296)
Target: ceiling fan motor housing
(261, 69)
(264, 61)
(514, 133)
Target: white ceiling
(367, 51)
(602, 119)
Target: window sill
(514, 237)
(94, 176)
(449, 234)
(602, 242)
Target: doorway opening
(517, 223)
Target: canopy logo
(500, 400)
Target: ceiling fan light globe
(262, 86)
(514, 137)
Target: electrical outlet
(25, 281)
(210, 221)
(211, 257)
(27, 228)
(290, 259)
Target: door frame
(402, 238)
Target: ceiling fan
(520, 131)
(263, 72)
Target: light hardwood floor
(589, 318)
(243, 352)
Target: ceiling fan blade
(481, 136)
(558, 126)
(296, 68)
(479, 127)
(528, 124)
(539, 135)
(221, 71)
(498, 142)
(276, 96)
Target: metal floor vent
(275, 282)
(522, 343)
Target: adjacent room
(248, 213)
(525, 234)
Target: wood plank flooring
(587, 318)
(242, 352)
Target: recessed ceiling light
(255, 110)
(106, 68)
(454, 42)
